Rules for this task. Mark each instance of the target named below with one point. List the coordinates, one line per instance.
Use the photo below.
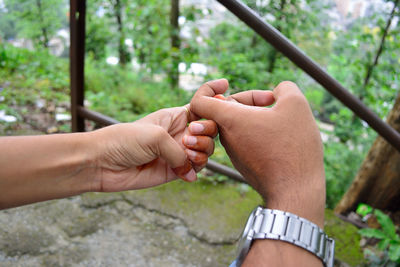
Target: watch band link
(285, 226)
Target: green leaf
(383, 244)
(394, 252)
(386, 223)
(370, 232)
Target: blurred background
(145, 55)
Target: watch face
(246, 239)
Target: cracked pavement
(178, 224)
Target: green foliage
(146, 25)
(150, 30)
(98, 31)
(32, 75)
(341, 166)
(364, 209)
(7, 25)
(37, 20)
(389, 239)
(126, 95)
(118, 92)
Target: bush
(27, 76)
(127, 95)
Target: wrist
(93, 149)
(280, 253)
(306, 198)
(84, 177)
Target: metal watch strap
(285, 226)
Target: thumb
(286, 91)
(169, 150)
(205, 105)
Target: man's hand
(277, 149)
(279, 152)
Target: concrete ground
(171, 225)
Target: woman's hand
(151, 151)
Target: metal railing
(77, 61)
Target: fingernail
(182, 170)
(196, 128)
(222, 97)
(189, 140)
(216, 80)
(191, 176)
(191, 154)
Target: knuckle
(158, 132)
(167, 111)
(297, 99)
(287, 85)
(286, 88)
(291, 93)
(194, 103)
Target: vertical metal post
(77, 61)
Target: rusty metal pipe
(77, 61)
(102, 119)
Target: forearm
(38, 168)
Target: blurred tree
(37, 20)
(118, 7)
(7, 25)
(98, 32)
(105, 27)
(156, 36)
(153, 29)
(173, 71)
(385, 31)
(149, 29)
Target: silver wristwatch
(280, 225)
